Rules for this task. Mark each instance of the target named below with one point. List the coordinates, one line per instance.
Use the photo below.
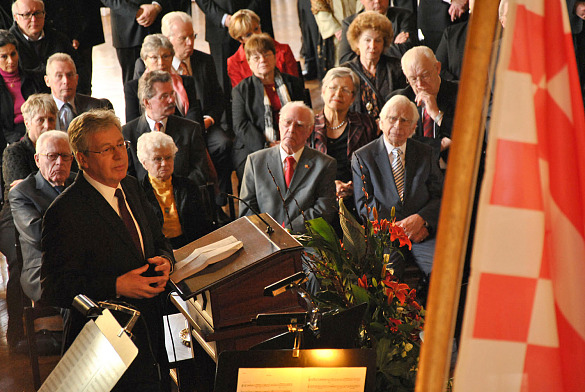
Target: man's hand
(338, 34)
(458, 8)
(414, 227)
(16, 182)
(133, 285)
(228, 20)
(146, 14)
(208, 121)
(401, 38)
(445, 143)
(163, 266)
(429, 101)
(343, 189)
(75, 44)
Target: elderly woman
(157, 53)
(256, 100)
(243, 25)
(369, 34)
(176, 200)
(16, 86)
(339, 131)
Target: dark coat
(451, 49)
(192, 216)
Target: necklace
(341, 124)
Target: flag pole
(457, 202)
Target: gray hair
(46, 136)
(147, 81)
(171, 18)
(150, 141)
(413, 54)
(400, 100)
(63, 57)
(154, 42)
(38, 103)
(297, 104)
(341, 72)
(16, 4)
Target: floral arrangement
(357, 270)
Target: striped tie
(398, 171)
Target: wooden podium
(220, 300)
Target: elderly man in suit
(62, 79)
(31, 198)
(158, 99)
(304, 177)
(399, 172)
(403, 24)
(100, 237)
(36, 42)
(436, 99)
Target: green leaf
(353, 233)
(361, 295)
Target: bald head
(421, 68)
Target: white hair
(150, 141)
(48, 135)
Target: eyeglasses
(425, 77)
(53, 156)
(36, 14)
(109, 151)
(159, 160)
(258, 56)
(400, 120)
(162, 57)
(344, 90)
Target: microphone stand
(269, 229)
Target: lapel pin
(306, 166)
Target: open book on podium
(96, 360)
(220, 300)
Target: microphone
(269, 229)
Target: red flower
(363, 282)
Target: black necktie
(127, 218)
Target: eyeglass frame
(36, 14)
(56, 155)
(109, 151)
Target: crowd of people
(134, 192)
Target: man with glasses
(395, 171)
(305, 177)
(435, 98)
(100, 237)
(36, 42)
(31, 198)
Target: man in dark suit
(305, 177)
(434, 16)
(436, 99)
(403, 24)
(132, 20)
(62, 79)
(217, 20)
(36, 42)
(157, 97)
(31, 198)
(99, 239)
(399, 172)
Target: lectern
(220, 300)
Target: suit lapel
(44, 187)
(410, 163)
(385, 168)
(304, 166)
(275, 165)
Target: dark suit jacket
(134, 110)
(312, 186)
(86, 247)
(207, 87)
(446, 101)
(126, 32)
(191, 159)
(192, 215)
(423, 182)
(248, 113)
(31, 82)
(53, 42)
(77, 20)
(433, 18)
(450, 51)
(84, 103)
(402, 21)
(28, 201)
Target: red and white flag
(524, 326)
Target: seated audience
(400, 173)
(32, 197)
(435, 98)
(243, 25)
(36, 42)
(158, 99)
(369, 34)
(176, 200)
(403, 25)
(157, 53)
(257, 100)
(304, 177)
(62, 79)
(339, 131)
